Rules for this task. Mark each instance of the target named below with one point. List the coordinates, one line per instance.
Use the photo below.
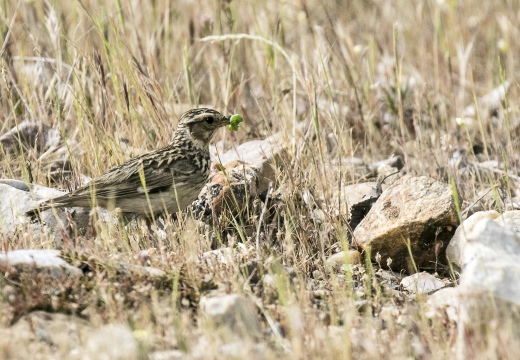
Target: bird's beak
(226, 120)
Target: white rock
(490, 273)
(239, 350)
(221, 258)
(269, 281)
(491, 262)
(421, 283)
(18, 197)
(54, 335)
(491, 100)
(511, 219)
(489, 289)
(36, 260)
(111, 342)
(168, 355)
(42, 279)
(445, 302)
(234, 312)
(344, 257)
(458, 241)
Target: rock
(221, 258)
(18, 197)
(30, 135)
(43, 281)
(359, 210)
(511, 219)
(168, 355)
(361, 199)
(445, 303)
(490, 102)
(45, 143)
(264, 154)
(237, 350)
(387, 166)
(233, 312)
(458, 241)
(269, 281)
(145, 272)
(352, 194)
(46, 334)
(492, 262)
(344, 257)
(489, 285)
(111, 342)
(233, 187)
(40, 261)
(65, 336)
(421, 283)
(418, 210)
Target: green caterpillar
(234, 121)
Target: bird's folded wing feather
(156, 179)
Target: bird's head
(201, 124)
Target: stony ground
(367, 207)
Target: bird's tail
(41, 207)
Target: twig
(476, 201)
(498, 171)
(264, 209)
(7, 36)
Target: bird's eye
(209, 119)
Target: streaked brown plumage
(173, 176)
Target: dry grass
(105, 71)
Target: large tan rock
(233, 186)
(414, 214)
(264, 154)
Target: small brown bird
(164, 180)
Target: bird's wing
(128, 181)
(125, 181)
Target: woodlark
(164, 180)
